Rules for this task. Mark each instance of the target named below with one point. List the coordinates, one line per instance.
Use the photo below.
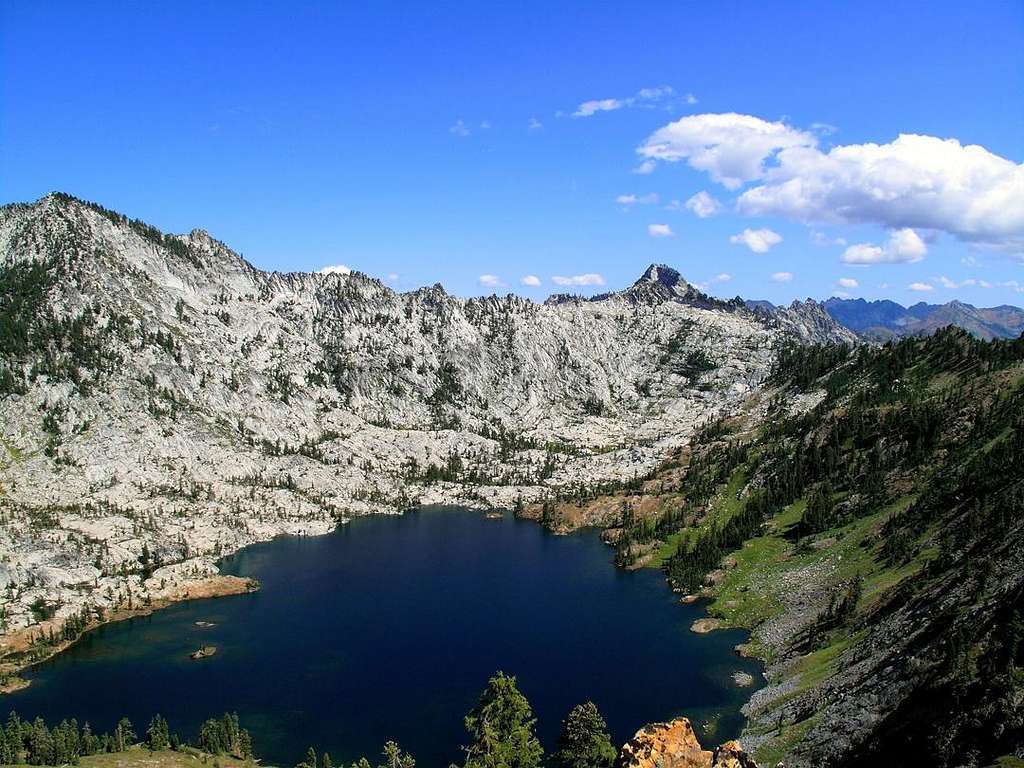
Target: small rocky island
(203, 653)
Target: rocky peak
(675, 745)
(662, 275)
(662, 283)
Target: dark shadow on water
(389, 628)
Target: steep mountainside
(163, 402)
(881, 320)
(864, 515)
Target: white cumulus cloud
(732, 148)
(912, 182)
(921, 287)
(905, 246)
(703, 205)
(847, 282)
(530, 280)
(490, 281)
(660, 230)
(577, 281)
(782, 277)
(757, 240)
(335, 269)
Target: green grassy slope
(871, 544)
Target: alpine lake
(389, 628)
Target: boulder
(665, 745)
(674, 745)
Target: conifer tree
(584, 742)
(157, 736)
(501, 728)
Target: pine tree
(501, 727)
(90, 743)
(395, 758)
(157, 736)
(245, 746)
(584, 743)
(310, 761)
(124, 736)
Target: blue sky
(443, 142)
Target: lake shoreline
(226, 584)
(22, 640)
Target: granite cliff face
(163, 402)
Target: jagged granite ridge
(165, 403)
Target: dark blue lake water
(389, 629)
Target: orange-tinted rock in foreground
(675, 745)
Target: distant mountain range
(884, 319)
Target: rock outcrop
(675, 745)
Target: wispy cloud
(531, 281)
(974, 282)
(820, 238)
(921, 287)
(648, 199)
(660, 230)
(645, 97)
(459, 128)
(534, 125)
(847, 282)
(490, 281)
(592, 107)
(782, 277)
(578, 281)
